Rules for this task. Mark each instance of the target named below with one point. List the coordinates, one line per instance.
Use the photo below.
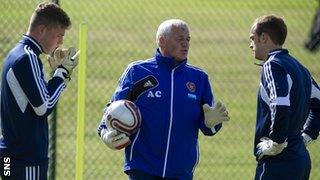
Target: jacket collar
(169, 61)
(277, 51)
(35, 46)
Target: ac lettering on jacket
(156, 94)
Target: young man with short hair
(27, 99)
(288, 99)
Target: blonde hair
(50, 15)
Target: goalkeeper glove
(306, 139)
(69, 60)
(114, 139)
(215, 115)
(269, 147)
(56, 57)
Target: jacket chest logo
(191, 86)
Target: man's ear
(162, 41)
(40, 30)
(264, 37)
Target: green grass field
(124, 30)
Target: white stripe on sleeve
(271, 87)
(284, 101)
(48, 102)
(17, 91)
(315, 92)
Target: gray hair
(164, 30)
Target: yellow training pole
(81, 101)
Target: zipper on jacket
(197, 160)
(133, 143)
(170, 125)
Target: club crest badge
(191, 86)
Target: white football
(124, 116)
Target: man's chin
(183, 57)
(260, 58)
(180, 59)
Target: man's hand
(114, 139)
(269, 147)
(56, 58)
(215, 115)
(306, 139)
(68, 61)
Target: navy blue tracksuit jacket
(288, 99)
(26, 101)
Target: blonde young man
(27, 99)
(174, 98)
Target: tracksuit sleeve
(312, 125)
(208, 99)
(42, 96)
(278, 85)
(124, 85)
(122, 92)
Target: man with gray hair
(175, 100)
